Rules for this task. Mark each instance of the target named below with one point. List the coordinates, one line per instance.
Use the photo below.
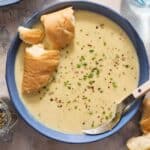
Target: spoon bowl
(122, 108)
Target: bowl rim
(10, 77)
(8, 3)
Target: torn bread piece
(59, 27)
(139, 143)
(142, 142)
(30, 36)
(39, 65)
(145, 121)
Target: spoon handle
(141, 90)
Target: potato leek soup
(95, 72)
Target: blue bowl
(10, 77)
(8, 2)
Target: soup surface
(96, 71)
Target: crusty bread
(142, 142)
(59, 27)
(145, 121)
(30, 36)
(139, 143)
(39, 65)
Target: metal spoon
(121, 109)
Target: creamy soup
(96, 71)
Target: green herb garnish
(96, 70)
(75, 107)
(90, 75)
(92, 125)
(85, 77)
(114, 84)
(93, 58)
(78, 65)
(82, 58)
(104, 43)
(106, 117)
(90, 113)
(91, 82)
(91, 50)
(67, 84)
(84, 64)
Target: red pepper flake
(91, 87)
(89, 45)
(102, 25)
(59, 106)
(97, 27)
(51, 99)
(83, 123)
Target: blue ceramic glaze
(10, 77)
(8, 2)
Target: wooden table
(25, 138)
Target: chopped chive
(91, 50)
(91, 82)
(114, 85)
(90, 113)
(104, 112)
(106, 117)
(92, 125)
(85, 64)
(110, 114)
(104, 43)
(79, 84)
(96, 70)
(84, 77)
(78, 65)
(68, 102)
(93, 58)
(75, 107)
(90, 75)
(66, 83)
(82, 58)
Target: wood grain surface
(25, 138)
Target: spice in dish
(95, 71)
